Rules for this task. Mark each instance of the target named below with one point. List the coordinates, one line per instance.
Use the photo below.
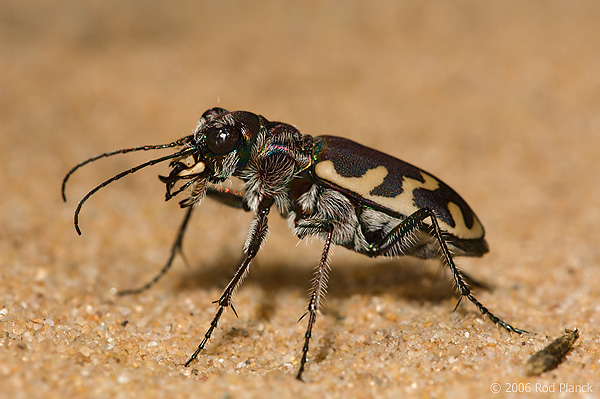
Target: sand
(499, 100)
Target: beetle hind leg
(461, 284)
(403, 234)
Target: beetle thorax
(279, 154)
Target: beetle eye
(223, 140)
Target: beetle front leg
(256, 236)
(407, 228)
(227, 196)
(175, 248)
(316, 296)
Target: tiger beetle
(330, 187)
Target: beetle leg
(316, 297)
(223, 195)
(405, 230)
(175, 248)
(228, 197)
(256, 236)
(473, 282)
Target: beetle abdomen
(376, 179)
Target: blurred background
(500, 100)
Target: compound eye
(213, 113)
(223, 140)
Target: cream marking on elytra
(461, 230)
(361, 185)
(403, 203)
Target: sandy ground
(500, 100)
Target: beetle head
(219, 148)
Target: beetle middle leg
(405, 231)
(316, 296)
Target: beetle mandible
(331, 187)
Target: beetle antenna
(123, 174)
(176, 143)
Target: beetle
(330, 187)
